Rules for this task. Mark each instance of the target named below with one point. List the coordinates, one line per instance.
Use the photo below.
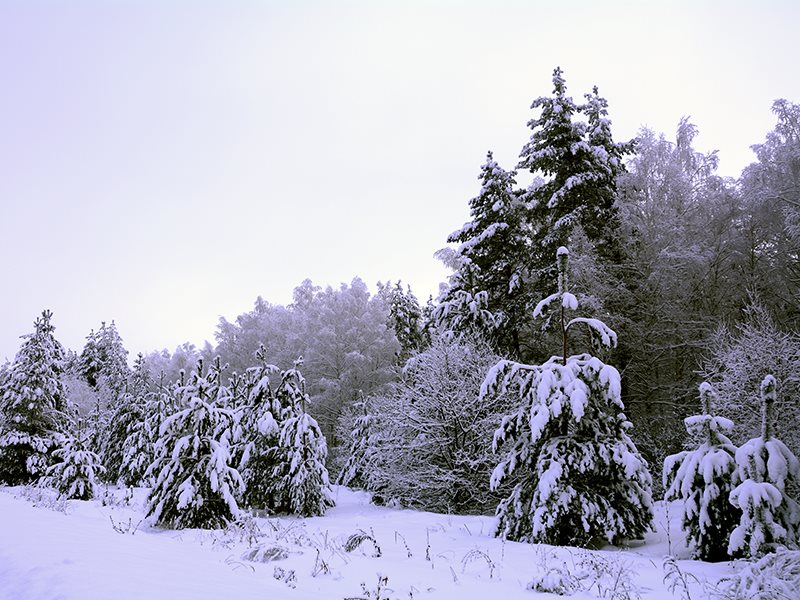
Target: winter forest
(602, 402)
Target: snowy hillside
(103, 549)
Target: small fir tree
(34, 406)
(75, 477)
(195, 485)
(703, 480)
(764, 468)
(302, 479)
(579, 475)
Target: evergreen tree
(195, 485)
(703, 479)
(139, 447)
(302, 479)
(361, 452)
(492, 257)
(103, 363)
(34, 406)
(578, 163)
(405, 316)
(764, 469)
(579, 476)
(260, 424)
(75, 477)
(127, 423)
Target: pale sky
(164, 163)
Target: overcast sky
(164, 163)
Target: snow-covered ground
(103, 549)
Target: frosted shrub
(579, 476)
(765, 466)
(703, 480)
(776, 576)
(427, 443)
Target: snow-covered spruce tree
(127, 423)
(764, 467)
(103, 364)
(405, 318)
(579, 163)
(33, 405)
(703, 479)
(492, 260)
(302, 479)
(75, 477)
(579, 476)
(139, 447)
(195, 485)
(362, 450)
(260, 426)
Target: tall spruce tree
(34, 406)
(578, 163)
(579, 476)
(493, 255)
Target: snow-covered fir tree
(578, 163)
(405, 317)
(125, 428)
(764, 469)
(362, 449)
(103, 364)
(34, 406)
(492, 259)
(302, 478)
(579, 476)
(260, 426)
(703, 479)
(195, 484)
(139, 447)
(75, 477)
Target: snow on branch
(606, 335)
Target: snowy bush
(703, 479)
(765, 466)
(579, 476)
(75, 477)
(195, 485)
(776, 576)
(427, 443)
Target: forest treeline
(696, 274)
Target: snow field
(103, 549)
